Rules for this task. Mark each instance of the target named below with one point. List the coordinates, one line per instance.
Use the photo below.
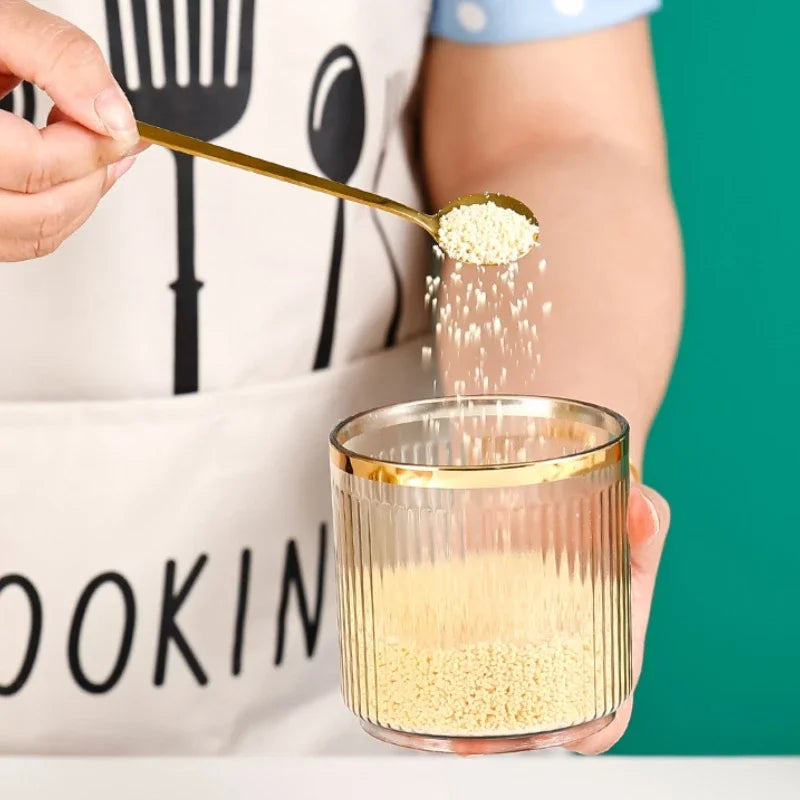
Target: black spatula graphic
(204, 111)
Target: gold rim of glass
(519, 473)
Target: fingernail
(653, 515)
(114, 111)
(638, 496)
(121, 167)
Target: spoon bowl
(482, 198)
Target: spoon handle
(213, 152)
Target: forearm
(614, 277)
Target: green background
(722, 669)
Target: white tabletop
(390, 778)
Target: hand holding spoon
(429, 222)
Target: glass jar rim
(510, 474)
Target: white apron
(166, 573)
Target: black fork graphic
(28, 109)
(204, 111)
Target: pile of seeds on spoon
(485, 233)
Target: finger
(648, 523)
(67, 64)
(605, 739)
(7, 84)
(33, 160)
(35, 225)
(57, 115)
(469, 747)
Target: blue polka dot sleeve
(504, 21)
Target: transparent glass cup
(483, 571)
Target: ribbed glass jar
(483, 571)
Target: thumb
(67, 64)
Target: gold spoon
(430, 222)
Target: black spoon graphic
(336, 124)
